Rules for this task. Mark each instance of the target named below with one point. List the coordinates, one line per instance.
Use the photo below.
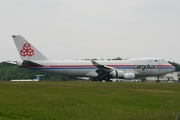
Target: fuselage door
(159, 62)
(157, 69)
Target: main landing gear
(158, 79)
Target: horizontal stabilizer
(30, 63)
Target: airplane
(94, 69)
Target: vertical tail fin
(26, 50)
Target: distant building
(174, 76)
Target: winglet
(94, 63)
(102, 67)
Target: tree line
(13, 72)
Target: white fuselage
(80, 68)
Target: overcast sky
(79, 29)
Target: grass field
(89, 100)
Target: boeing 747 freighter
(94, 69)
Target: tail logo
(27, 50)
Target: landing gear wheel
(158, 81)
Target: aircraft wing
(106, 72)
(108, 68)
(103, 67)
(11, 62)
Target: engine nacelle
(117, 74)
(129, 76)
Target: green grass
(83, 100)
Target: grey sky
(79, 29)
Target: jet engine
(117, 74)
(121, 74)
(129, 76)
